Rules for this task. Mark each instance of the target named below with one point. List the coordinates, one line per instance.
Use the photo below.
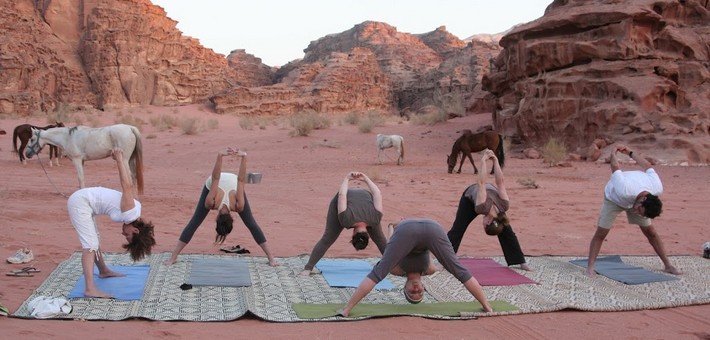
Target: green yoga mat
(319, 311)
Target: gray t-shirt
(492, 198)
(409, 248)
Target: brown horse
(474, 142)
(24, 133)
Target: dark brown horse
(474, 142)
(24, 133)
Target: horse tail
(401, 147)
(499, 151)
(14, 140)
(136, 160)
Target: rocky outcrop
(250, 71)
(635, 71)
(434, 69)
(107, 53)
(341, 83)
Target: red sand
(300, 176)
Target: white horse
(81, 143)
(390, 141)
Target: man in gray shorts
(408, 254)
(636, 193)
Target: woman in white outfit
(120, 206)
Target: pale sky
(277, 31)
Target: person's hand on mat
(169, 261)
(342, 312)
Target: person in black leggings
(224, 192)
(492, 202)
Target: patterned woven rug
(274, 290)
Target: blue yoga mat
(348, 273)
(129, 287)
(615, 269)
(220, 273)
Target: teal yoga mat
(614, 268)
(129, 287)
(348, 273)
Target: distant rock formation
(340, 83)
(637, 71)
(434, 68)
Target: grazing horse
(82, 143)
(390, 141)
(474, 142)
(24, 133)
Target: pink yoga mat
(491, 273)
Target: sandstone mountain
(101, 53)
(635, 71)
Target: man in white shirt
(636, 193)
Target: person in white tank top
(224, 192)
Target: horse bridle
(34, 147)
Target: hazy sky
(277, 31)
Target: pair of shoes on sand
(235, 249)
(24, 272)
(23, 255)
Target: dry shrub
(212, 124)
(190, 126)
(130, 120)
(430, 118)
(528, 182)
(304, 123)
(61, 114)
(352, 118)
(163, 122)
(554, 151)
(247, 123)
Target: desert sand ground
(301, 174)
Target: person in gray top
(408, 254)
(356, 209)
(492, 203)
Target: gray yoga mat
(614, 268)
(219, 272)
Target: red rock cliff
(636, 71)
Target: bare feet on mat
(524, 266)
(305, 272)
(343, 312)
(590, 272)
(672, 270)
(95, 293)
(110, 273)
(273, 263)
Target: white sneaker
(23, 255)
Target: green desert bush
(554, 151)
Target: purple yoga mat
(491, 273)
